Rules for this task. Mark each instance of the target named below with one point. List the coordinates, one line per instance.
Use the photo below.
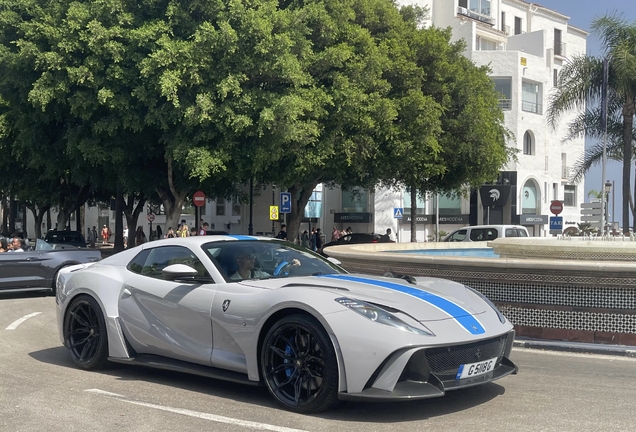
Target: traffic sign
(273, 212)
(198, 198)
(592, 213)
(151, 217)
(556, 224)
(556, 207)
(285, 202)
(398, 212)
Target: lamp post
(608, 188)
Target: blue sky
(581, 13)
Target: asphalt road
(41, 390)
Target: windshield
(263, 259)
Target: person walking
(318, 240)
(140, 236)
(105, 234)
(304, 240)
(335, 235)
(92, 237)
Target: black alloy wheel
(85, 333)
(299, 366)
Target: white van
(485, 233)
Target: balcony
(483, 15)
(532, 107)
(559, 49)
(505, 104)
(565, 172)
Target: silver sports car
(267, 312)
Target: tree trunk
(413, 214)
(119, 223)
(172, 199)
(300, 196)
(628, 114)
(132, 215)
(12, 213)
(5, 216)
(38, 216)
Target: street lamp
(608, 188)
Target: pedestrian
(204, 229)
(92, 237)
(183, 230)
(318, 240)
(170, 233)
(140, 236)
(282, 234)
(105, 234)
(159, 232)
(388, 237)
(335, 235)
(193, 232)
(349, 230)
(126, 236)
(304, 240)
(312, 239)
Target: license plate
(474, 369)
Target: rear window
(516, 232)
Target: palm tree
(580, 84)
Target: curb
(576, 347)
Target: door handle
(33, 259)
(125, 293)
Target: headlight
(379, 315)
(501, 316)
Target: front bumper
(420, 373)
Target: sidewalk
(576, 347)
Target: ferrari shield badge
(226, 304)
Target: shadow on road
(380, 412)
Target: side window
(522, 233)
(162, 257)
(137, 263)
(458, 236)
(478, 234)
(510, 232)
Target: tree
(580, 83)
(447, 115)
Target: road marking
(14, 325)
(197, 414)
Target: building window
(313, 209)
(569, 196)
(236, 208)
(528, 143)
(517, 25)
(420, 203)
(530, 198)
(485, 44)
(503, 24)
(555, 77)
(448, 205)
(355, 200)
(531, 97)
(220, 207)
(481, 7)
(503, 86)
(559, 48)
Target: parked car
(485, 233)
(357, 238)
(257, 310)
(35, 270)
(68, 238)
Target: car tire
(299, 365)
(85, 333)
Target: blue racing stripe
(458, 313)
(241, 237)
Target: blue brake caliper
(288, 351)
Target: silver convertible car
(267, 312)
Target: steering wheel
(280, 267)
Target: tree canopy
(162, 98)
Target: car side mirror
(178, 271)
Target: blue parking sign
(285, 202)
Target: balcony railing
(559, 49)
(483, 15)
(505, 104)
(566, 171)
(531, 107)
